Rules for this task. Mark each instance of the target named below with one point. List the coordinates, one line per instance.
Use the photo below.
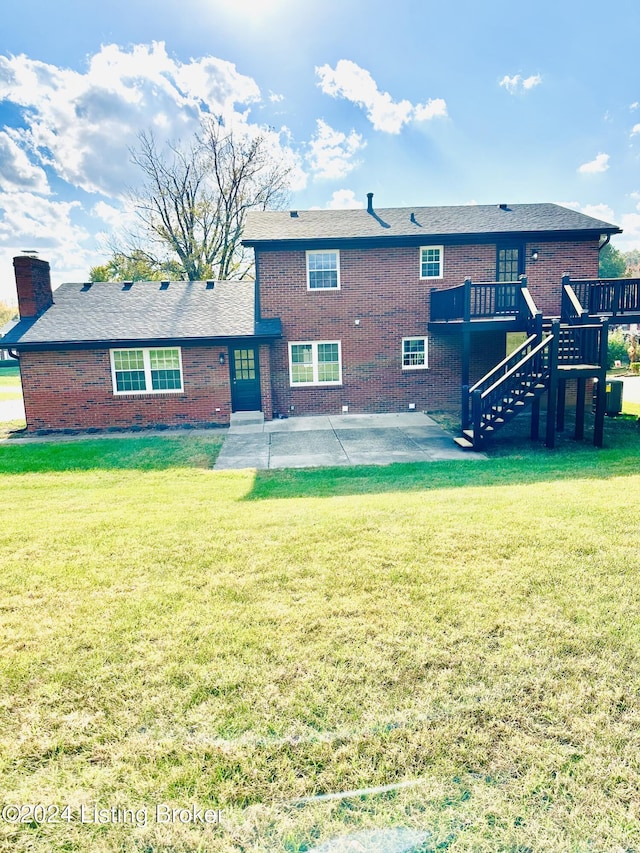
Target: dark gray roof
(147, 311)
(427, 222)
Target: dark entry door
(245, 379)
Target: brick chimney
(33, 282)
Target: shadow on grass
(141, 454)
(514, 460)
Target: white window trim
(424, 366)
(149, 390)
(314, 362)
(335, 252)
(431, 277)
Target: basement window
(146, 371)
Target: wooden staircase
(540, 365)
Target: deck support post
(562, 399)
(476, 414)
(535, 419)
(580, 401)
(553, 384)
(466, 360)
(601, 395)
(466, 417)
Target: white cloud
(344, 200)
(599, 211)
(17, 172)
(518, 84)
(29, 221)
(81, 125)
(109, 214)
(630, 238)
(593, 167)
(635, 129)
(434, 108)
(634, 105)
(331, 152)
(275, 98)
(356, 84)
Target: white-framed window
(315, 363)
(415, 353)
(431, 258)
(323, 270)
(146, 371)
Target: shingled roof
(117, 313)
(416, 224)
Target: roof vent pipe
(369, 202)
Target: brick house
(370, 310)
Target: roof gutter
(378, 241)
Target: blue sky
(419, 102)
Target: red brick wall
(265, 381)
(381, 289)
(73, 390)
(579, 260)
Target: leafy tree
(7, 312)
(193, 201)
(617, 350)
(612, 263)
(137, 267)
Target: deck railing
(615, 297)
(580, 345)
(483, 300)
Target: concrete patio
(317, 441)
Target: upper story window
(146, 371)
(509, 263)
(431, 261)
(323, 270)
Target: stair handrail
(571, 307)
(503, 363)
(530, 305)
(528, 357)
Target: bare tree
(192, 203)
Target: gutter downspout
(13, 353)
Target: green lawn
(10, 376)
(171, 634)
(10, 385)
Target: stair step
(468, 433)
(246, 418)
(464, 443)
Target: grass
(12, 429)
(171, 634)
(10, 384)
(10, 376)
